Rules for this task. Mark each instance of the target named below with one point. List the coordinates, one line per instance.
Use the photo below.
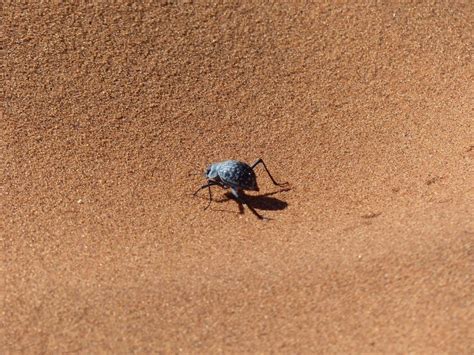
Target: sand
(111, 114)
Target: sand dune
(111, 114)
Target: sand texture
(111, 112)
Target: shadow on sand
(259, 202)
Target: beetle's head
(211, 171)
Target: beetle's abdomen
(237, 174)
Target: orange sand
(112, 112)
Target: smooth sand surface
(111, 114)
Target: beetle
(236, 175)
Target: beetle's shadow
(259, 202)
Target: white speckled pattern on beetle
(233, 173)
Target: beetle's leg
(268, 172)
(243, 202)
(208, 185)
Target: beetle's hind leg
(260, 161)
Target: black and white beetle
(237, 176)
